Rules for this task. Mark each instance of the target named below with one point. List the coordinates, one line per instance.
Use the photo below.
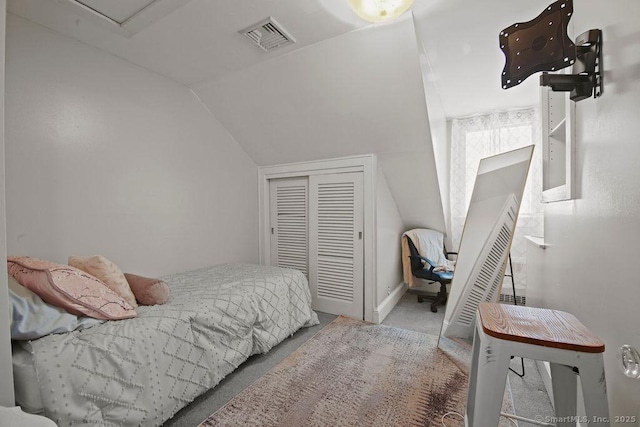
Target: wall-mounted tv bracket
(543, 44)
(587, 77)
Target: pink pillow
(69, 288)
(148, 291)
(107, 272)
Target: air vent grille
(508, 298)
(268, 35)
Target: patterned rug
(353, 373)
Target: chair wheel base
(420, 300)
(434, 309)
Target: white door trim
(368, 165)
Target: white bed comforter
(142, 371)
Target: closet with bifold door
(317, 226)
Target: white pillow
(32, 318)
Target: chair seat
(444, 275)
(438, 276)
(538, 326)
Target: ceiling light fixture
(379, 10)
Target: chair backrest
(416, 262)
(428, 243)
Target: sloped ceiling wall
(358, 93)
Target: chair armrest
(432, 264)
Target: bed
(141, 371)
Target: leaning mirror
(486, 239)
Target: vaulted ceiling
(197, 41)
(345, 87)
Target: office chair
(422, 271)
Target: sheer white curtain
(477, 137)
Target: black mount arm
(587, 79)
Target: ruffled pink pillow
(107, 272)
(74, 290)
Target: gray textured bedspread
(142, 371)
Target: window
(477, 137)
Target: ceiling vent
(268, 35)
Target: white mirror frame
(486, 238)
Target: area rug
(354, 373)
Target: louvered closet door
(336, 243)
(289, 223)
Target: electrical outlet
(388, 290)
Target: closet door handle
(359, 235)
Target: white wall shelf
(560, 130)
(558, 118)
(537, 241)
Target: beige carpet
(354, 373)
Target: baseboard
(385, 307)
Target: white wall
(389, 230)
(439, 136)
(591, 265)
(6, 373)
(104, 157)
(358, 93)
